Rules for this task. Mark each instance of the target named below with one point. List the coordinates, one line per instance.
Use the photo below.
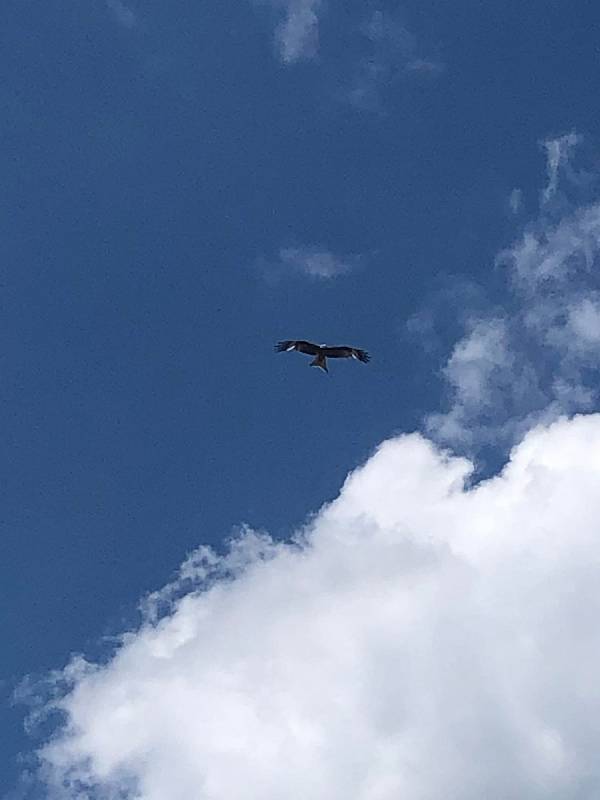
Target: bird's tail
(319, 361)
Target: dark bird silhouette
(321, 352)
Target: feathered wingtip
(362, 355)
(281, 347)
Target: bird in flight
(321, 352)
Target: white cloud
(314, 262)
(476, 357)
(297, 34)
(552, 253)
(515, 200)
(479, 370)
(388, 48)
(584, 321)
(419, 640)
(547, 361)
(557, 156)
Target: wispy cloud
(539, 358)
(558, 153)
(124, 15)
(390, 51)
(416, 640)
(297, 33)
(515, 201)
(316, 263)
(310, 261)
(480, 373)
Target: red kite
(321, 352)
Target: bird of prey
(321, 352)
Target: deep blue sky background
(146, 171)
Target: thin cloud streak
(315, 263)
(311, 261)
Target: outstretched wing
(346, 352)
(298, 344)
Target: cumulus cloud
(419, 639)
(537, 358)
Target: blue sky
(183, 185)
